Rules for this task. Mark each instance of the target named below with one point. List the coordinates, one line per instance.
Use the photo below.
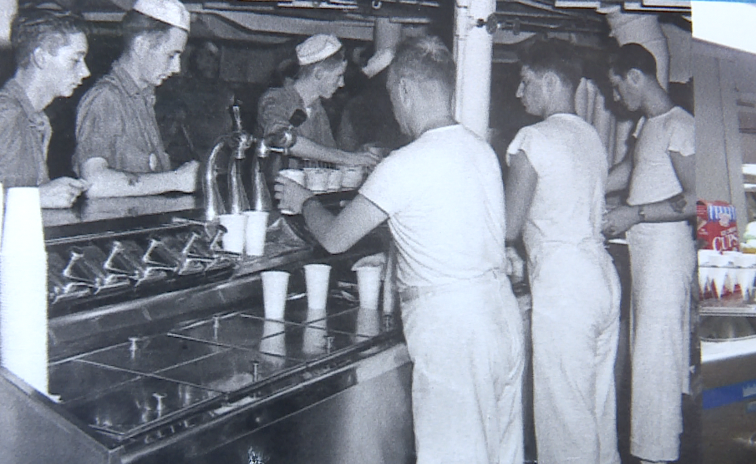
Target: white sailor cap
(378, 62)
(171, 12)
(317, 48)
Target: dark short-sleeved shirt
(116, 121)
(278, 105)
(24, 138)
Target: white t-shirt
(570, 160)
(654, 177)
(445, 201)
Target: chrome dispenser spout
(213, 202)
(238, 201)
(260, 194)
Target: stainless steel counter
(728, 373)
(177, 363)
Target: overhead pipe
(473, 49)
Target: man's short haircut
(555, 56)
(34, 27)
(632, 56)
(330, 63)
(424, 59)
(135, 24)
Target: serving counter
(728, 372)
(159, 350)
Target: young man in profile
(555, 200)
(118, 144)
(49, 48)
(661, 175)
(322, 64)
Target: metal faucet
(239, 141)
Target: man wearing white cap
(119, 148)
(321, 74)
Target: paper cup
(257, 226)
(275, 285)
(316, 279)
(317, 179)
(352, 176)
(334, 180)
(297, 175)
(233, 239)
(369, 286)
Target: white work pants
(466, 344)
(662, 260)
(575, 328)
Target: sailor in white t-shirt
(555, 198)
(661, 176)
(443, 199)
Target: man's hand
(61, 192)
(620, 219)
(515, 266)
(364, 158)
(186, 177)
(290, 195)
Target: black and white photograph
(377, 232)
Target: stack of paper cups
(23, 289)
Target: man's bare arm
(107, 182)
(306, 148)
(519, 190)
(338, 233)
(619, 175)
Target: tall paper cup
(316, 278)
(275, 285)
(233, 239)
(23, 289)
(256, 228)
(369, 286)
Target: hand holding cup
(290, 195)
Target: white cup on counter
(317, 179)
(316, 280)
(256, 228)
(334, 180)
(352, 176)
(275, 287)
(297, 175)
(369, 285)
(234, 237)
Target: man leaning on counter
(119, 148)
(49, 48)
(322, 64)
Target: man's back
(445, 200)
(570, 161)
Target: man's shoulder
(9, 104)
(105, 91)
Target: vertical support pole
(7, 11)
(473, 49)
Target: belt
(412, 293)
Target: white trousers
(466, 344)
(662, 261)
(575, 330)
